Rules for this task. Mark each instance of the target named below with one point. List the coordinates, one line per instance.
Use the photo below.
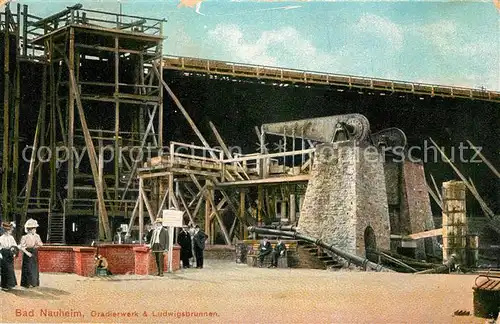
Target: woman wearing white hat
(30, 242)
(8, 251)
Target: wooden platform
(239, 70)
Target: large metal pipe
(365, 263)
(291, 228)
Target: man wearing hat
(8, 250)
(159, 244)
(184, 240)
(30, 242)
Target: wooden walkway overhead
(237, 70)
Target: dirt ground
(225, 292)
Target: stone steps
(313, 257)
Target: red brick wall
(145, 262)
(121, 259)
(84, 261)
(56, 259)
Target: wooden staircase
(313, 257)
(56, 233)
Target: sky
(442, 42)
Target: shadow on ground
(45, 293)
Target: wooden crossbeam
(421, 235)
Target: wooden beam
(434, 196)
(485, 160)
(183, 202)
(148, 205)
(298, 178)
(184, 112)
(438, 192)
(132, 217)
(31, 169)
(489, 213)
(225, 148)
(212, 203)
(421, 235)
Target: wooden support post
(141, 211)
(170, 191)
(6, 119)
(454, 221)
(208, 224)
(15, 153)
(53, 127)
(242, 214)
(71, 120)
(292, 209)
(91, 151)
(42, 128)
(117, 118)
(260, 197)
(100, 162)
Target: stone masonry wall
(371, 195)
(416, 207)
(345, 195)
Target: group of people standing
(191, 240)
(9, 250)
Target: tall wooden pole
(71, 120)
(6, 108)
(15, 154)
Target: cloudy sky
(444, 42)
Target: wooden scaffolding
(100, 115)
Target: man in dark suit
(278, 251)
(159, 244)
(199, 239)
(184, 240)
(265, 248)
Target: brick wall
(145, 263)
(346, 194)
(121, 259)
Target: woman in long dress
(30, 242)
(8, 250)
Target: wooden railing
(283, 75)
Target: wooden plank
(272, 180)
(431, 233)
